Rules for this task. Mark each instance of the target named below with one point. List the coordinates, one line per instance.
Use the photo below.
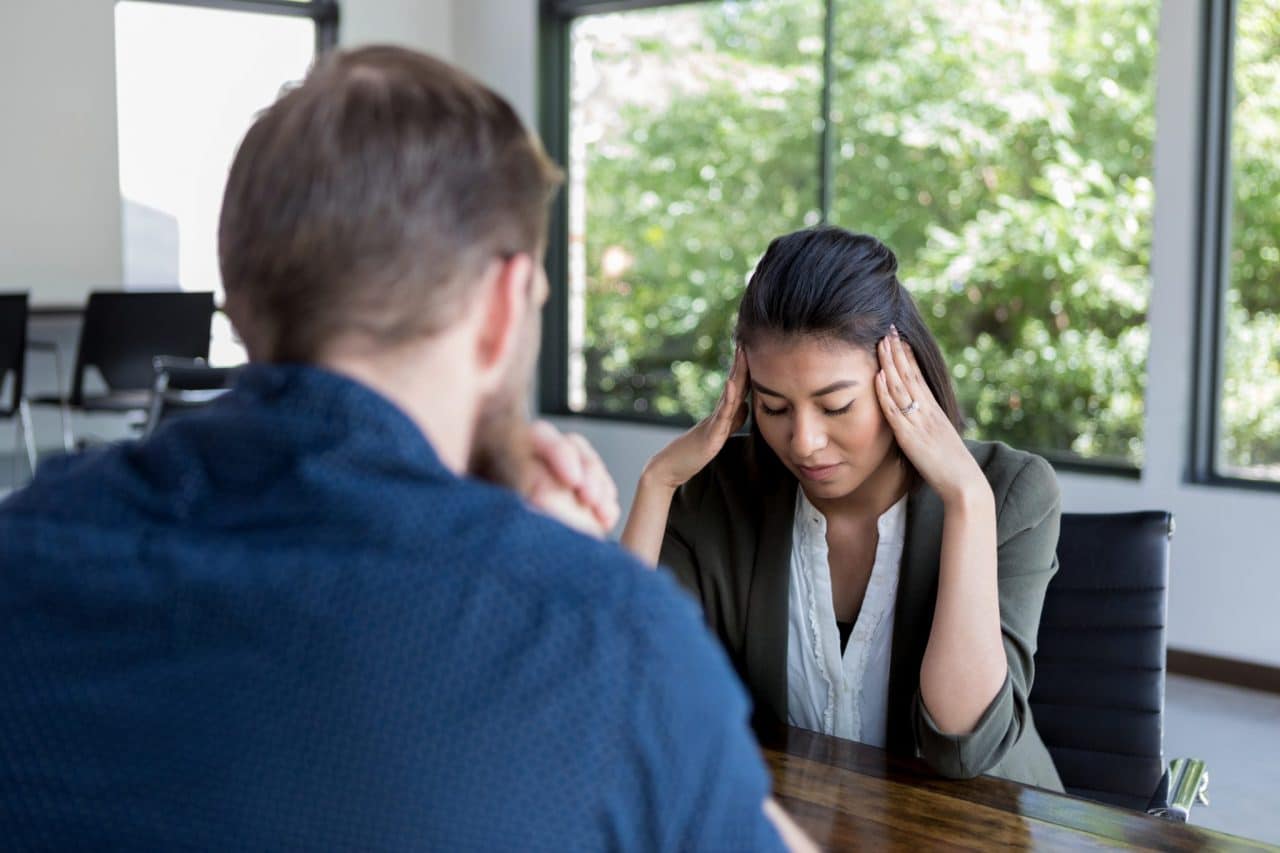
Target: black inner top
(846, 628)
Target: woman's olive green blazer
(728, 540)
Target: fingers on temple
(890, 408)
(893, 379)
(905, 363)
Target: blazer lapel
(765, 643)
(913, 613)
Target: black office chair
(1098, 697)
(120, 335)
(183, 385)
(13, 359)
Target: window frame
(555, 19)
(323, 13)
(1214, 261)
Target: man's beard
(501, 448)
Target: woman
(870, 573)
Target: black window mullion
(553, 118)
(324, 13)
(327, 18)
(826, 157)
(271, 7)
(1215, 272)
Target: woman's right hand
(679, 461)
(675, 465)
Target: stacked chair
(121, 334)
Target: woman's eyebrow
(821, 392)
(834, 386)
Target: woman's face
(814, 400)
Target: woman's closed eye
(764, 409)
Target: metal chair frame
(18, 408)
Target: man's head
(388, 200)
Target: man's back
(283, 623)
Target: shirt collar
(321, 401)
(810, 518)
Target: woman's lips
(818, 472)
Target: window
(1248, 405)
(190, 78)
(1003, 150)
(693, 141)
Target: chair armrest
(162, 363)
(1184, 784)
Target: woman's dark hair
(830, 283)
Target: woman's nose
(807, 437)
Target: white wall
(496, 41)
(426, 25)
(60, 213)
(59, 185)
(1225, 581)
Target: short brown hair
(364, 201)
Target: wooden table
(849, 796)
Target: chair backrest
(122, 333)
(1098, 697)
(13, 347)
(185, 384)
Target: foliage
(1002, 148)
(1250, 422)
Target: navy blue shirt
(283, 623)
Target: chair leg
(28, 435)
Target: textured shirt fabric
(842, 693)
(282, 623)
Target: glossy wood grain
(849, 796)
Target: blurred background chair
(184, 384)
(13, 361)
(1098, 697)
(120, 336)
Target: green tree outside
(1001, 148)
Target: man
(293, 620)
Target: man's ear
(505, 307)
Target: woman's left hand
(922, 429)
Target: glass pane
(189, 83)
(1249, 427)
(1004, 151)
(693, 142)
